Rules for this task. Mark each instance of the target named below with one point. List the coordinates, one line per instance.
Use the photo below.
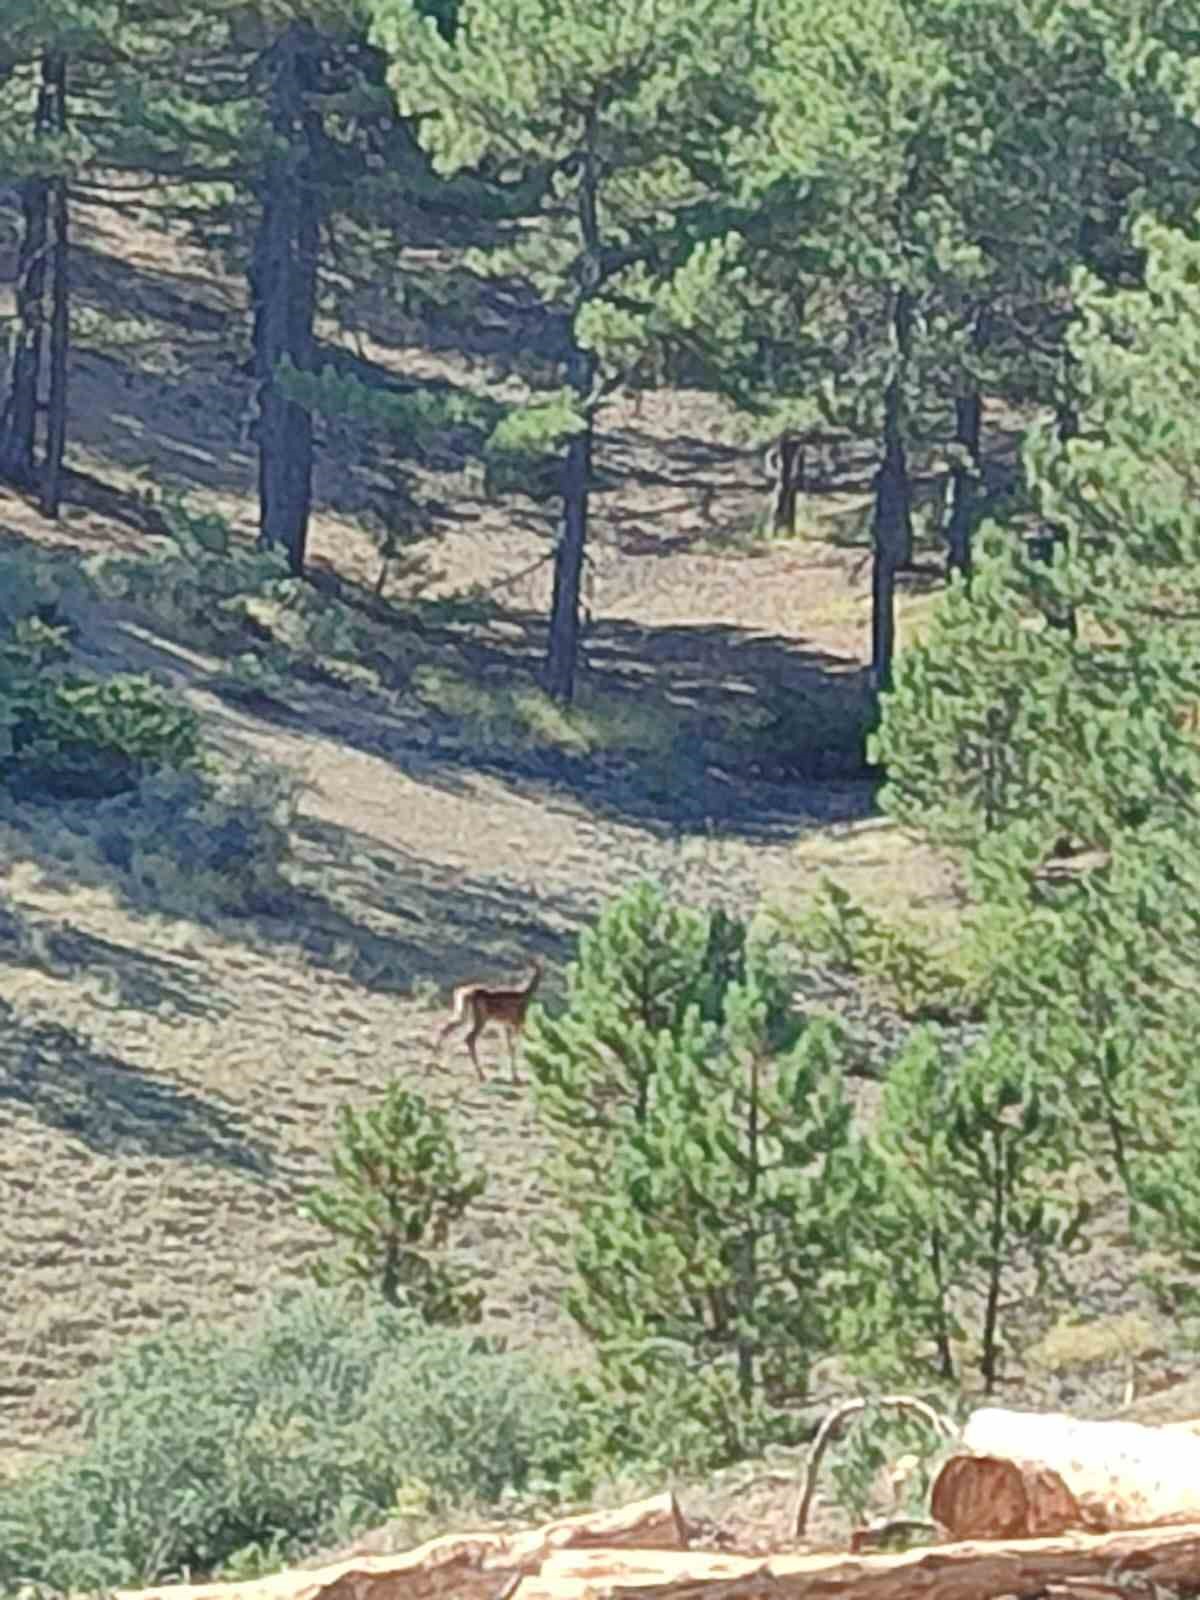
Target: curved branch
(825, 1433)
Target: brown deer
(481, 1003)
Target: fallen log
(562, 1562)
(468, 1566)
(1029, 1473)
(987, 1497)
(965, 1571)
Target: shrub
(207, 585)
(187, 841)
(804, 738)
(301, 1429)
(76, 737)
(62, 734)
(40, 586)
(195, 580)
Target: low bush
(73, 737)
(206, 585)
(195, 580)
(190, 842)
(203, 1445)
(64, 735)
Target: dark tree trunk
(18, 421)
(789, 481)
(55, 73)
(892, 529)
(964, 482)
(562, 652)
(283, 288)
(747, 1251)
(966, 473)
(562, 649)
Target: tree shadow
(139, 979)
(712, 766)
(483, 921)
(113, 1107)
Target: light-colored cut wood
(1119, 1474)
(466, 1566)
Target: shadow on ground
(139, 980)
(417, 922)
(111, 1106)
(708, 768)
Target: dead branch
(825, 1433)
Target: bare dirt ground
(168, 1086)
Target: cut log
(467, 1566)
(558, 1562)
(1117, 1474)
(969, 1571)
(986, 1497)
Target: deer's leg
(477, 1022)
(456, 1021)
(512, 1034)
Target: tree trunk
(893, 533)
(18, 422)
(964, 482)
(747, 1267)
(989, 1356)
(562, 649)
(562, 652)
(283, 287)
(942, 1342)
(1115, 1474)
(789, 481)
(55, 75)
(965, 474)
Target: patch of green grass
(523, 717)
(1100, 1341)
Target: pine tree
(702, 1135)
(41, 147)
(398, 1185)
(612, 121)
(647, 986)
(963, 1189)
(1093, 977)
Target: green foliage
(1008, 730)
(640, 990)
(967, 1186)
(195, 581)
(399, 1184)
(196, 844)
(646, 1412)
(74, 736)
(64, 734)
(872, 1444)
(912, 974)
(965, 733)
(701, 1138)
(207, 586)
(1076, 731)
(523, 452)
(204, 1443)
(420, 415)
